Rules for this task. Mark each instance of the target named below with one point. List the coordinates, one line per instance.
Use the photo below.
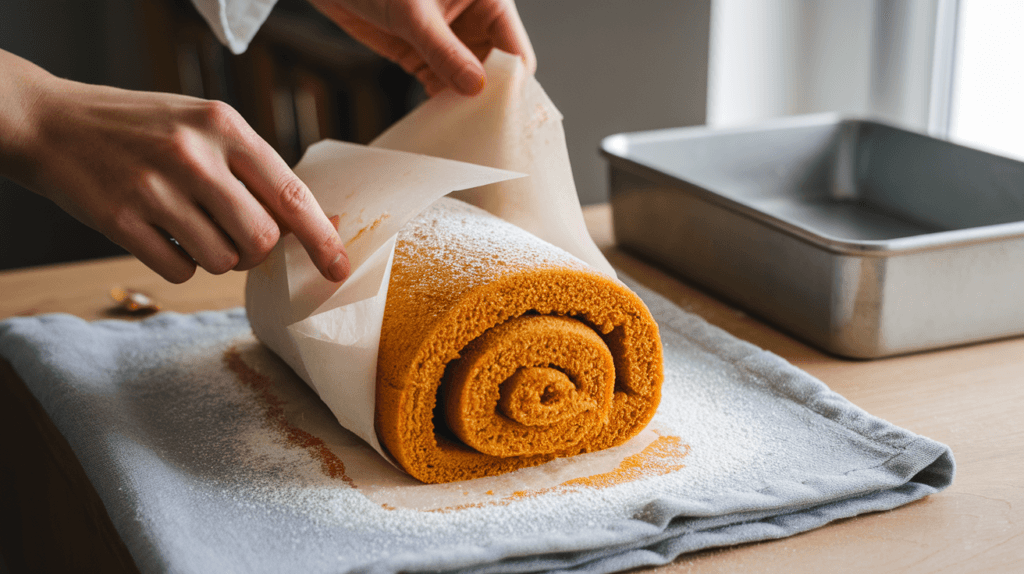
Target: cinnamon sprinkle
(661, 457)
(369, 227)
(273, 409)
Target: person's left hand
(440, 42)
(145, 167)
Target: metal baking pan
(860, 238)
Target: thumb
(446, 56)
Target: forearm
(22, 85)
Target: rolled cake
(500, 351)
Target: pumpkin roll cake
(500, 351)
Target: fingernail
(339, 268)
(469, 81)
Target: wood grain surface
(968, 397)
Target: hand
(441, 42)
(143, 168)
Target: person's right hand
(143, 168)
(441, 42)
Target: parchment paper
(329, 334)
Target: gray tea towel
(211, 456)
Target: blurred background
(951, 68)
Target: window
(988, 81)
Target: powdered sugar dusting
(436, 233)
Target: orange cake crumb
(273, 408)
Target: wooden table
(968, 397)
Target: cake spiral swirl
(500, 351)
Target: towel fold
(528, 353)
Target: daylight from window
(988, 90)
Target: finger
(392, 47)
(449, 59)
(290, 202)
(201, 237)
(152, 247)
(509, 35)
(381, 41)
(245, 220)
(334, 219)
(431, 83)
